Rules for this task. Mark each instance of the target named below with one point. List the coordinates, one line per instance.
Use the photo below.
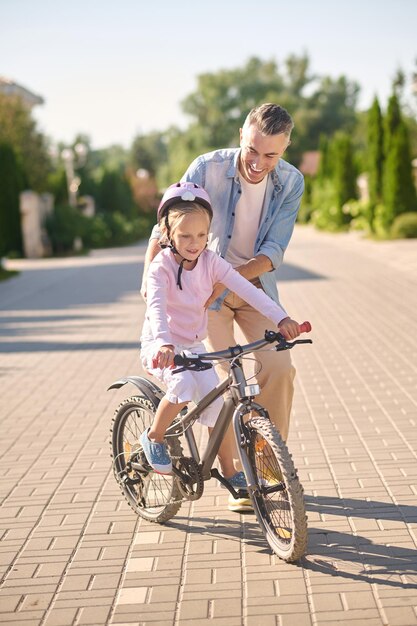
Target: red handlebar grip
(305, 327)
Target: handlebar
(305, 327)
(195, 362)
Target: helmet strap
(181, 267)
(183, 260)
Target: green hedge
(405, 226)
(101, 231)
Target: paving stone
(61, 617)
(93, 615)
(70, 542)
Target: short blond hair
(270, 119)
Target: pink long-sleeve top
(177, 317)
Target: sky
(112, 69)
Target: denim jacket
(217, 172)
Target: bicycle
(272, 481)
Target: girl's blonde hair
(175, 215)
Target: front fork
(242, 436)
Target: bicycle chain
(194, 490)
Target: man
(255, 196)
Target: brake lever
(287, 345)
(195, 366)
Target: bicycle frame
(271, 477)
(235, 406)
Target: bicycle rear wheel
(278, 500)
(154, 497)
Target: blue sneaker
(156, 454)
(238, 481)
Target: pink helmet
(183, 192)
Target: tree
(11, 184)
(222, 100)
(391, 122)
(375, 153)
(148, 152)
(331, 108)
(399, 191)
(18, 129)
(297, 75)
(332, 191)
(114, 193)
(344, 174)
(325, 165)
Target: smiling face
(260, 153)
(189, 234)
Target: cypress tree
(344, 174)
(324, 170)
(392, 121)
(115, 194)
(11, 184)
(399, 190)
(375, 153)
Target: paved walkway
(72, 551)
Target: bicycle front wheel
(278, 500)
(154, 497)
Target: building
(10, 88)
(310, 162)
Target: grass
(5, 274)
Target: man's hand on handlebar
(289, 328)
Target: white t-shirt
(248, 214)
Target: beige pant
(276, 375)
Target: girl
(179, 282)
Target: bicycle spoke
(278, 502)
(153, 496)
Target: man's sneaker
(239, 505)
(238, 481)
(156, 454)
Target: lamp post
(73, 158)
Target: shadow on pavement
(357, 558)
(74, 300)
(369, 509)
(45, 346)
(331, 552)
(221, 528)
(290, 272)
(66, 288)
(63, 292)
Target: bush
(99, 234)
(361, 213)
(405, 226)
(306, 208)
(63, 226)
(326, 213)
(123, 230)
(101, 231)
(379, 224)
(11, 184)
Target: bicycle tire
(278, 501)
(155, 497)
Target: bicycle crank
(189, 478)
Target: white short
(186, 386)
